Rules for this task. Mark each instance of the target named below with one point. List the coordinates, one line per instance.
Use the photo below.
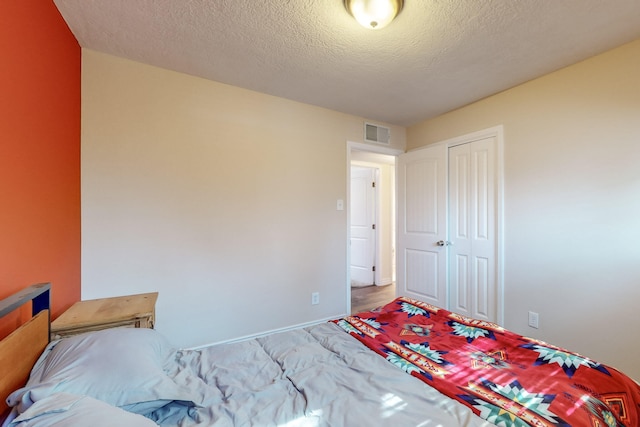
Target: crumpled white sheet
(316, 376)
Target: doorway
(364, 220)
(371, 240)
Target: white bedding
(318, 376)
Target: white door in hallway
(421, 267)
(363, 242)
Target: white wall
(221, 199)
(572, 202)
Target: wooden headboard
(20, 350)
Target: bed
(330, 374)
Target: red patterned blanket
(505, 378)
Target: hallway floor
(369, 297)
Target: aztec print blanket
(505, 378)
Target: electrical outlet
(315, 298)
(533, 319)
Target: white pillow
(123, 367)
(68, 410)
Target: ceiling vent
(375, 133)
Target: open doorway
(371, 229)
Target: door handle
(443, 243)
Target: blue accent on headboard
(39, 295)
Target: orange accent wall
(40, 63)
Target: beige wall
(572, 202)
(224, 200)
(221, 199)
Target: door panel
(362, 220)
(482, 289)
(421, 190)
(460, 230)
(472, 228)
(422, 273)
(422, 264)
(458, 280)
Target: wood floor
(368, 297)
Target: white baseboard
(385, 281)
(265, 333)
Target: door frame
(358, 146)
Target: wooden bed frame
(20, 350)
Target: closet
(449, 221)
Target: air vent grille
(376, 133)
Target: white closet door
(422, 196)
(472, 229)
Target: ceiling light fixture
(374, 14)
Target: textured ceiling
(436, 56)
